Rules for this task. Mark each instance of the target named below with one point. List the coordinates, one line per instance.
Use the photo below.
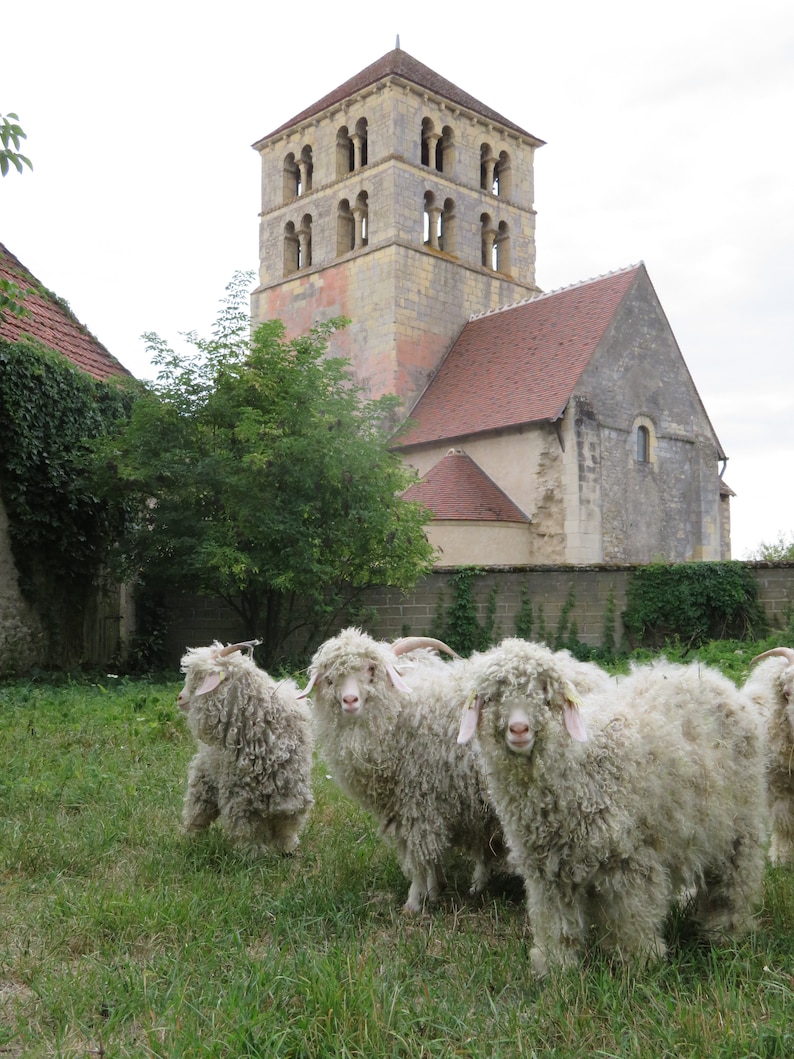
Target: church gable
(647, 458)
(639, 371)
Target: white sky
(669, 140)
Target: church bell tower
(401, 202)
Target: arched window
(291, 249)
(345, 228)
(291, 178)
(643, 445)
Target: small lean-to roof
(456, 488)
(400, 64)
(519, 364)
(51, 322)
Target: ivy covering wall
(60, 532)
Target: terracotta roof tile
(456, 488)
(53, 324)
(518, 364)
(399, 63)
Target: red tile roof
(518, 364)
(456, 488)
(398, 63)
(53, 324)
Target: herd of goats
(614, 798)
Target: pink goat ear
(574, 723)
(471, 718)
(397, 680)
(307, 690)
(210, 682)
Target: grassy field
(120, 937)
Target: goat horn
(784, 652)
(412, 643)
(232, 647)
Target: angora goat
(253, 766)
(389, 739)
(655, 786)
(771, 687)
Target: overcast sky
(668, 134)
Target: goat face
(352, 690)
(507, 720)
(519, 733)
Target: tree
(264, 478)
(11, 135)
(780, 550)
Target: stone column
(359, 216)
(305, 239)
(433, 214)
(357, 145)
(490, 169)
(431, 139)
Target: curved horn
(784, 652)
(413, 643)
(232, 647)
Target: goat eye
(371, 672)
(328, 681)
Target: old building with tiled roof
(35, 621)
(50, 321)
(580, 406)
(400, 201)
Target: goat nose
(519, 729)
(350, 700)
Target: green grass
(120, 937)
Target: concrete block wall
(596, 589)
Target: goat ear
(307, 690)
(470, 720)
(397, 680)
(210, 682)
(573, 718)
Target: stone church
(547, 428)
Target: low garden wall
(590, 598)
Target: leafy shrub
(693, 602)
